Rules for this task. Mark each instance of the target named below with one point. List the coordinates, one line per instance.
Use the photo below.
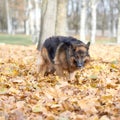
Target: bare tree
(118, 31)
(3, 16)
(37, 20)
(31, 18)
(74, 15)
(27, 22)
(48, 20)
(61, 18)
(118, 26)
(94, 20)
(9, 22)
(102, 16)
(83, 20)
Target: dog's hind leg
(50, 70)
(41, 65)
(43, 69)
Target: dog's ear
(88, 45)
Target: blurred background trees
(85, 19)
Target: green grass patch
(103, 40)
(16, 39)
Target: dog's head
(80, 55)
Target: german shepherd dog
(59, 53)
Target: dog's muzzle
(80, 64)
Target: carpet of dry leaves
(94, 95)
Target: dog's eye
(72, 55)
(74, 62)
(77, 56)
(83, 54)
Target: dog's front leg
(72, 75)
(59, 70)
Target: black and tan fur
(62, 54)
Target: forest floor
(95, 95)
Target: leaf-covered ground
(94, 95)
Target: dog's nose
(80, 65)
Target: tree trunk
(27, 22)
(27, 27)
(31, 19)
(83, 21)
(48, 20)
(61, 18)
(9, 22)
(93, 21)
(37, 21)
(111, 18)
(103, 19)
(114, 29)
(118, 31)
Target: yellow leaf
(94, 117)
(15, 72)
(57, 78)
(86, 105)
(107, 97)
(94, 85)
(13, 90)
(3, 90)
(20, 104)
(17, 80)
(38, 108)
(97, 68)
(50, 117)
(114, 66)
(104, 118)
(2, 118)
(93, 76)
(55, 106)
(67, 105)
